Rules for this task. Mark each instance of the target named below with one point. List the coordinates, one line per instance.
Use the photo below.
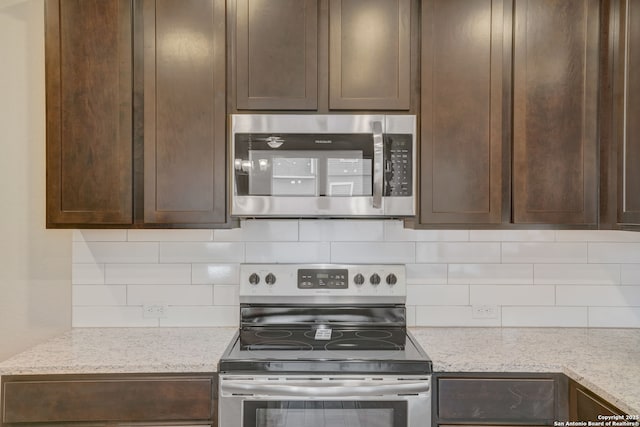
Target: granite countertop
(607, 361)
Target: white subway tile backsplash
(114, 252)
(613, 296)
(148, 274)
(512, 295)
(216, 274)
(212, 316)
(451, 316)
(214, 252)
(569, 317)
(341, 230)
(99, 295)
(287, 252)
(170, 295)
(394, 231)
(426, 274)
(99, 235)
(618, 253)
(438, 294)
(226, 295)
(535, 278)
(387, 252)
(577, 274)
(170, 235)
(491, 274)
(551, 253)
(87, 274)
(512, 235)
(115, 317)
(597, 236)
(469, 252)
(630, 274)
(260, 231)
(614, 317)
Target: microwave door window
(349, 176)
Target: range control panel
(299, 281)
(323, 278)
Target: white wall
(534, 278)
(35, 263)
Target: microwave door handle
(378, 158)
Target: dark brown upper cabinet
(626, 98)
(184, 112)
(89, 112)
(276, 54)
(369, 54)
(136, 113)
(555, 114)
(320, 55)
(461, 111)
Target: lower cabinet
(499, 399)
(109, 399)
(584, 405)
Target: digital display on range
(323, 279)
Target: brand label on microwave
(323, 141)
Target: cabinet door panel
(89, 112)
(526, 401)
(369, 54)
(461, 163)
(630, 150)
(555, 111)
(184, 112)
(102, 400)
(276, 54)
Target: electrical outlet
(157, 311)
(484, 311)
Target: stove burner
(334, 334)
(285, 348)
(353, 347)
(375, 334)
(275, 333)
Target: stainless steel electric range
(324, 345)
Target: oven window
(301, 413)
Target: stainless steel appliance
(323, 346)
(323, 165)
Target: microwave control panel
(398, 172)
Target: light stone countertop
(607, 361)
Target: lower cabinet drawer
(500, 400)
(107, 398)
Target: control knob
(358, 279)
(391, 279)
(374, 279)
(254, 279)
(270, 279)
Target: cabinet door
(369, 54)
(462, 89)
(108, 399)
(89, 112)
(586, 406)
(184, 112)
(276, 54)
(555, 111)
(629, 151)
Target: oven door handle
(378, 159)
(313, 389)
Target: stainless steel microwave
(323, 165)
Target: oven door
(322, 165)
(324, 402)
